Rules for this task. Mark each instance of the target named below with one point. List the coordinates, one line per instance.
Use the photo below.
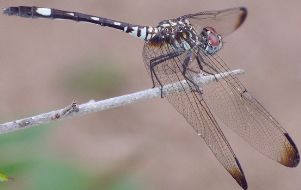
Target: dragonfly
(178, 49)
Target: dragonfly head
(211, 41)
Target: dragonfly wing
(240, 111)
(223, 21)
(192, 106)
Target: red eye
(213, 39)
(212, 36)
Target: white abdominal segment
(95, 18)
(143, 33)
(44, 11)
(134, 32)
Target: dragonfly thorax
(177, 32)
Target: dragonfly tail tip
(9, 11)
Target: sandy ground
(168, 155)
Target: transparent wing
(223, 21)
(192, 106)
(236, 107)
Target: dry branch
(92, 106)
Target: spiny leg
(185, 65)
(153, 62)
(158, 60)
(200, 60)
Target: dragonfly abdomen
(143, 32)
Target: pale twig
(95, 106)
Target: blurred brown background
(148, 145)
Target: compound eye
(213, 39)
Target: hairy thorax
(177, 32)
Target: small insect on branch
(92, 106)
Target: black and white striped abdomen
(142, 32)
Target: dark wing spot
(156, 41)
(239, 176)
(290, 157)
(242, 18)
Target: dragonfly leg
(200, 60)
(185, 64)
(155, 62)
